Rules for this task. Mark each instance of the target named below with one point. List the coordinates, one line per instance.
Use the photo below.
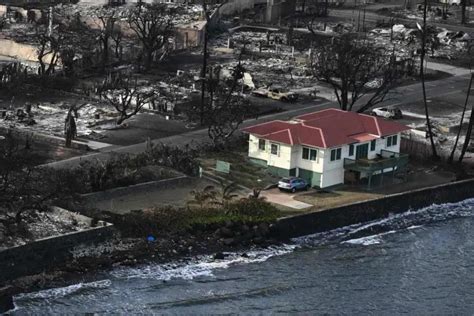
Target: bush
(169, 220)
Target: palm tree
(203, 196)
(422, 76)
(451, 157)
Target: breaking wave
(370, 233)
(64, 291)
(200, 266)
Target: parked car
(276, 93)
(388, 112)
(293, 184)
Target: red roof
(326, 129)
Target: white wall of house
(333, 171)
(313, 165)
(281, 160)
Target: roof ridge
(320, 132)
(375, 120)
(263, 123)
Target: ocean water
(418, 263)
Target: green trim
(280, 172)
(260, 162)
(313, 178)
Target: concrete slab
(285, 199)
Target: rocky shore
(215, 241)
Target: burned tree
(451, 156)
(24, 188)
(107, 28)
(12, 76)
(424, 36)
(48, 51)
(355, 69)
(153, 25)
(225, 109)
(125, 95)
(70, 127)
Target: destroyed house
(328, 146)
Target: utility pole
(204, 63)
(50, 22)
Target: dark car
(293, 184)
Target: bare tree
(467, 139)
(106, 22)
(24, 188)
(451, 157)
(125, 95)
(153, 25)
(424, 35)
(12, 76)
(355, 69)
(48, 51)
(463, 11)
(225, 110)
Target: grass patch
(242, 170)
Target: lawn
(242, 170)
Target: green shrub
(171, 220)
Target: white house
(326, 147)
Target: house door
(362, 151)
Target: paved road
(403, 95)
(372, 17)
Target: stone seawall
(38, 256)
(329, 219)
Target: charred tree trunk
(422, 76)
(451, 157)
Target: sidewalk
(450, 69)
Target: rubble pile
(49, 118)
(443, 43)
(41, 225)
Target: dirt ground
(46, 151)
(176, 196)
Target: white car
(387, 112)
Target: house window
(372, 145)
(336, 154)
(392, 140)
(305, 153)
(310, 154)
(351, 150)
(274, 149)
(261, 144)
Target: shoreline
(232, 237)
(138, 251)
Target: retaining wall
(41, 255)
(325, 220)
(90, 198)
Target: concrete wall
(90, 198)
(281, 160)
(329, 219)
(47, 253)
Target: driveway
(284, 198)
